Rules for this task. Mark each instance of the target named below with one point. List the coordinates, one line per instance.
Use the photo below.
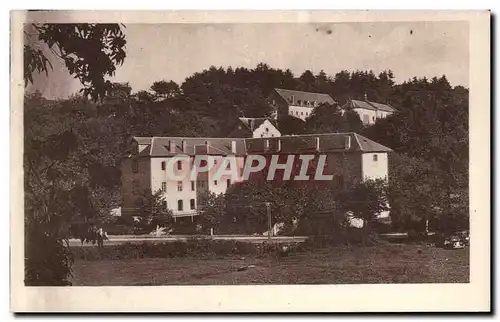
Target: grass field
(391, 263)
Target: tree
(153, 212)
(144, 97)
(164, 89)
(413, 192)
(326, 118)
(56, 184)
(365, 200)
(211, 210)
(307, 82)
(90, 52)
(288, 125)
(353, 121)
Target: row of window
(135, 165)
(180, 185)
(180, 204)
(164, 165)
(179, 165)
(301, 113)
(303, 102)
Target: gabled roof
(309, 143)
(383, 107)
(161, 146)
(252, 123)
(367, 145)
(142, 140)
(367, 105)
(322, 143)
(320, 98)
(362, 104)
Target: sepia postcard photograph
(247, 161)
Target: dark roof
(370, 105)
(328, 142)
(367, 145)
(161, 146)
(142, 140)
(383, 107)
(320, 98)
(253, 123)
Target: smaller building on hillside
(255, 127)
(369, 112)
(298, 104)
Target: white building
(350, 158)
(298, 104)
(369, 112)
(256, 127)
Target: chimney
(233, 147)
(207, 144)
(317, 143)
(172, 146)
(267, 145)
(347, 142)
(184, 146)
(279, 145)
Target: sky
(176, 51)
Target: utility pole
(269, 228)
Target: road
(117, 240)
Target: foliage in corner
(90, 52)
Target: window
(375, 157)
(179, 165)
(373, 117)
(340, 181)
(179, 185)
(301, 113)
(228, 166)
(267, 129)
(135, 166)
(192, 185)
(215, 161)
(135, 186)
(272, 135)
(180, 205)
(164, 187)
(228, 182)
(215, 182)
(192, 204)
(299, 102)
(163, 165)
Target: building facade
(349, 158)
(255, 127)
(298, 104)
(369, 112)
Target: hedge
(195, 247)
